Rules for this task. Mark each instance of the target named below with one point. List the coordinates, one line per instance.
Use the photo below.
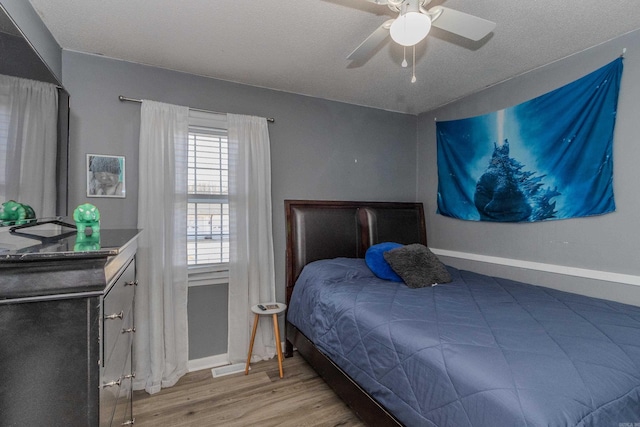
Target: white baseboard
(214, 361)
(606, 276)
(207, 362)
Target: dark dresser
(66, 327)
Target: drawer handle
(130, 422)
(112, 383)
(132, 375)
(134, 283)
(115, 316)
(129, 330)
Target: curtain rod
(124, 98)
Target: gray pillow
(417, 266)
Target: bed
(479, 351)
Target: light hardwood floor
(261, 398)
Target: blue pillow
(378, 265)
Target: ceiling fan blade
(367, 47)
(460, 23)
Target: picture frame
(106, 176)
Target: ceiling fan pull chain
(413, 78)
(404, 57)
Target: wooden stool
(274, 312)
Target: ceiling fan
(414, 22)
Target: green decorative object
(14, 213)
(87, 216)
(86, 243)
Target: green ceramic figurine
(14, 213)
(87, 216)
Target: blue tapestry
(547, 158)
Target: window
(208, 190)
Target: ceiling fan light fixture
(410, 28)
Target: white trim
(216, 361)
(206, 275)
(200, 268)
(548, 268)
(207, 362)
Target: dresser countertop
(52, 241)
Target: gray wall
(609, 243)
(319, 149)
(207, 328)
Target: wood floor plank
(261, 398)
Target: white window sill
(210, 274)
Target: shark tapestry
(547, 158)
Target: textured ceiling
(300, 46)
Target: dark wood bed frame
(329, 229)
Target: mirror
(18, 58)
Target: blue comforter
(480, 351)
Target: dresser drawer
(116, 378)
(108, 397)
(118, 345)
(117, 306)
(123, 407)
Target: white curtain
(28, 143)
(251, 266)
(161, 347)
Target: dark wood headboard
(330, 229)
